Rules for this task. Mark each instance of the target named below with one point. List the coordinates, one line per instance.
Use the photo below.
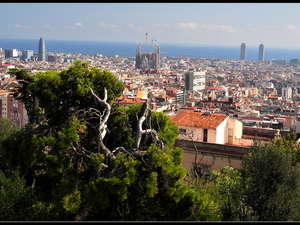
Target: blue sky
(228, 24)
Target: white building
(286, 92)
(11, 53)
(208, 127)
(195, 80)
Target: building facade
(286, 92)
(12, 109)
(11, 53)
(195, 80)
(52, 58)
(261, 53)
(243, 52)
(42, 50)
(177, 93)
(26, 55)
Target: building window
(205, 135)
(182, 131)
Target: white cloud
(130, 25)
(47, 26)
(269, 27)
(216, 27)
(22, 26)
(140, 29)
(78, 24)
(162, 26)
(104, 25)
(292, 27)
(192, 26)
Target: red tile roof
(253, 118)
(126, 100)
(214, 88)
(198, 119)
(132, 101)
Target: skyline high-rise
(11, 53)
(42, 50)
(26, 55)
(195, 80)
(243, 52)
(261, 53)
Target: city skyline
(224, 24)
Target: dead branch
(101, 132)
(140, 132)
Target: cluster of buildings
(28, 55)
(219, 105)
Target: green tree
(271, 178)
(229, 192)
(90, 159)
(15, 198)
(224, 193)
(7, 128)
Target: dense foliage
(272, 180)
(81, 156)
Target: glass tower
(42, 50)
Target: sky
(219, 24)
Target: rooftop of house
(126, 100)
(198, 119)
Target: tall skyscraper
(42, 50)
(261, 53)
(243, 51)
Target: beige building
(205, 157)
(208, 127)
(210, 141)
(235, 131)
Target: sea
(128, 49)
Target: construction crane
(146, 42)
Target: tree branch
(140, 132)
(101, 132)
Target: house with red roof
(208, 127)
(125, 100)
